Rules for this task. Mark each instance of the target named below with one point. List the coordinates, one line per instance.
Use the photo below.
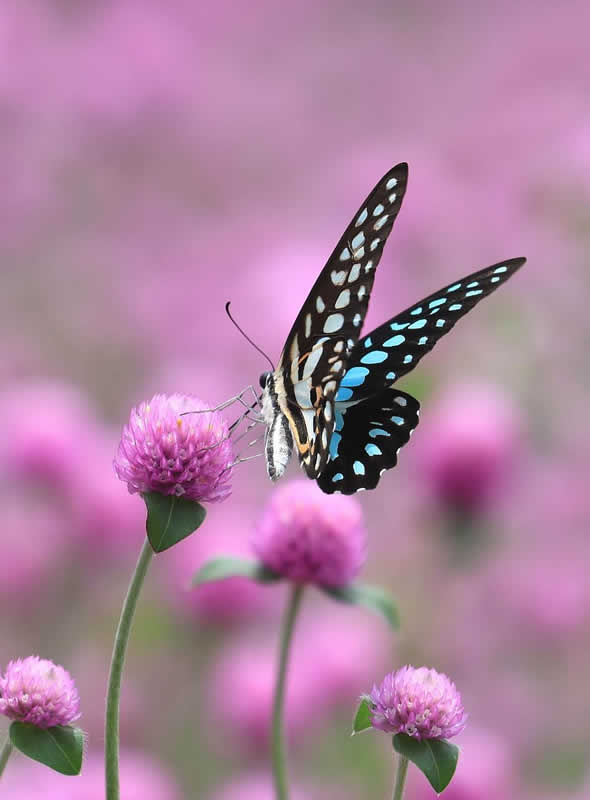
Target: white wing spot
(391, 183)
(379, 209)
(369, 266)
(380, 222)
(343, 299)
(339, 347)
(344, 255)
(358, 240)
(324, 439)
(311, 362)
(338, 277)
(330, 387)
(392, 197)
(319, 304)
(361, 217)
(333, 323)
(308, 325)
(328, 411)
(336, 366)
(361, 293)
(401, 401)
(374, 245)
(355, 271)
(294, 351)
(357, 319)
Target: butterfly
(332, 394)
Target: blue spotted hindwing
(372, 420)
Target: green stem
(117, 662)
(5, 755)
(278, 733)
(400, 779)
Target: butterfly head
(264, 379)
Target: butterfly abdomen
(278, 442)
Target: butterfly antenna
(246, 337)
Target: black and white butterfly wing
(316, 352)
(366, 440)
(373, 419)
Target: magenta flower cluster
(37, 691)
(163, 451)
(309, 537)
(420, 702)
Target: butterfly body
(332, 394)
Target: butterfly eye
(262, 379)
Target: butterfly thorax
(278, 442)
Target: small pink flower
(421, 703)
(309, 537)
(162, 451)
(40, 692)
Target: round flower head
(162, 451)
(422, 703)
(309, 537)
(38, 691)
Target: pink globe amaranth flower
(309, 537)
(419, 702)
(468, 445)
(162, 451)
(37, 691)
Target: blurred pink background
(159, 158)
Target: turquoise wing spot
(390, 376)
(343, 394)
(354, 377)
(334, 442)
(456, 307)
(454, 287)
(398, 326)
(359, 468)
(338, 420)
(473, 292)
(420, 323)
(408, 359)
(337, 477)
(416, 311)
(374, 357)
(372, 450)
(398, 420)
(423, 340)
(394, 341)
(500, 269)
(435, 303)
(374, 432)
(368, 342)
(440, 323)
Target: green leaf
(171, 519)
(372, 597)
(231, 567)
(60, 748)
(362, 718)
(436, 758)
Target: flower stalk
(278, 749)
(400, 778)
(117, 663)
(5, 755)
